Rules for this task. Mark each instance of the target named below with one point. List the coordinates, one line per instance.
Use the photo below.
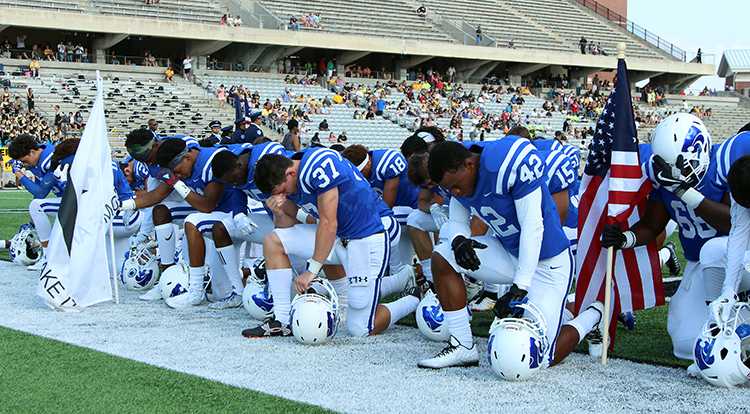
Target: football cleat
(453, 355)
(267, 329)
(233, 301)
(673, 263)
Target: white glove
(721, 308)
(127, 205)
(245, 226)
(61, 173)
(439, 214)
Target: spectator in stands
(451, 72)
(582, 43)
(221, 95)
(187, 67)
(30, 99)
(223, 20)
(114, 59)
(422, 11)
(291, 141)
(479, 34)
(69, 52)
(21, 46)
(61, 51)
(48, 53)
(323, 125)
(293, 23)
(699, 56)
(169, 74)
(511, 44)
(34, 68)
(342, 137)
(78, 120)
(153, 126)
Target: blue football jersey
(546, 144)
(726, 154)
(256, 153)
(232, 200)
(42, 166)
(693, 230)
(574, 153)
(510, 169)
(140, 175)
(122, 187)
(559, 174)
(322, 169)
(190, 143)
(389, 164)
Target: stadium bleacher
(376, 18)
(197, 11)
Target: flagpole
(112, 266)
(610, 262)
(607, 303)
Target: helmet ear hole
(723, 353)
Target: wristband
(128, 205)
(302, 216)
(692, 198)
(182, 189)
(314, 266)
(629, 239)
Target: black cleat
(269, 328)
(673, 264)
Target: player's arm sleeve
(39, 189)
(737, 245)
(529, 212)
(458, 221)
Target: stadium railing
(635, 29)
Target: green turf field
(47, 376)
(43, 381)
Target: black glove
(664, 175)
(506, 306)
(463, 251)
(612, 236)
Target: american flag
(614, 190)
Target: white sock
(229, 260)
(195, 279)
(401, 307)
(427, 268)
(585, 322)
(458, 325)
(280, 287)
(395, 282)
(664, 255)
(165, 238)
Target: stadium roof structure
(263, 47)
(734, 61)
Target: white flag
(76, 274)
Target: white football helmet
(255, 298)
(140, 270)
(683, 141)
(315, 313)
(174, 281)
(517, 346)
(430, 318)
(722, 350)
(25, 248)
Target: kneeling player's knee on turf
(220, 235)
(161, 214)
(357, 322)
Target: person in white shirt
(187, 66)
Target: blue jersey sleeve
(728, 152)
(41, 187)
(323, 171)
(392, 164)
(574, 153)
(521, 171)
